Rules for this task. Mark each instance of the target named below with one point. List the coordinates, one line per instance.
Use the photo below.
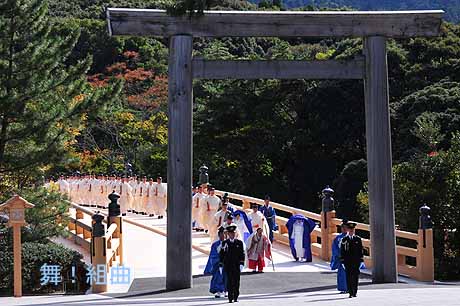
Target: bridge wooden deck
(144, 245)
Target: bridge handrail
(83, 209)
(275, 205)
(104, 250)
(110, 231)
(366, 227)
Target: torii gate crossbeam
(374, 27)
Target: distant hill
(451, 7)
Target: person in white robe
(150, 202)
(90, 198)
(105, 187)
(221, 217)
(258, 220)
(143, 187)
(209, 209)
(64, 186)
(98, 191)
(241, 225)
(125, 196)
(160, 194)
(137, 203)
(74, 189)
(84, 191)
(238, 234)
(197, 200)
(132, 204)
(297, 235)
(80, 190)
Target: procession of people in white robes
(209, 211)
(147, 197)
(136, 196)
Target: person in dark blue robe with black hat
(352, 257)
(232, 258)
(336, 264)
(269, 213)
(217, 285)
(299, 229)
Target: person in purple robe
(299, 230)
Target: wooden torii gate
(374, 27)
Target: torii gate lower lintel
(374, 27)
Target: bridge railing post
(79, 214)
(115, 217)
(327, 230)
(425, 255)
(99, 252)
(78, 229)
(327, 214)
(425, 251)
(246, 204)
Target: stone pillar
(180, 113)
(379, 162)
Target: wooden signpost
(15, 208)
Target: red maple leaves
(143, 88)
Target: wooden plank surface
(278, 69)
(149, 22)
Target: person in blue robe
(243, 223)
(308, 226)
(335, 261)
(269, 213)
(218, 282)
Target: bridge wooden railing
(106, 249)
(80, 231)
(415, 261)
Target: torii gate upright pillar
(180, 113)
(379, 162)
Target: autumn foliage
(144, 89)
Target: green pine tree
(42, 100)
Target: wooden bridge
(414, 250)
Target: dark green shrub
(34, 255)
